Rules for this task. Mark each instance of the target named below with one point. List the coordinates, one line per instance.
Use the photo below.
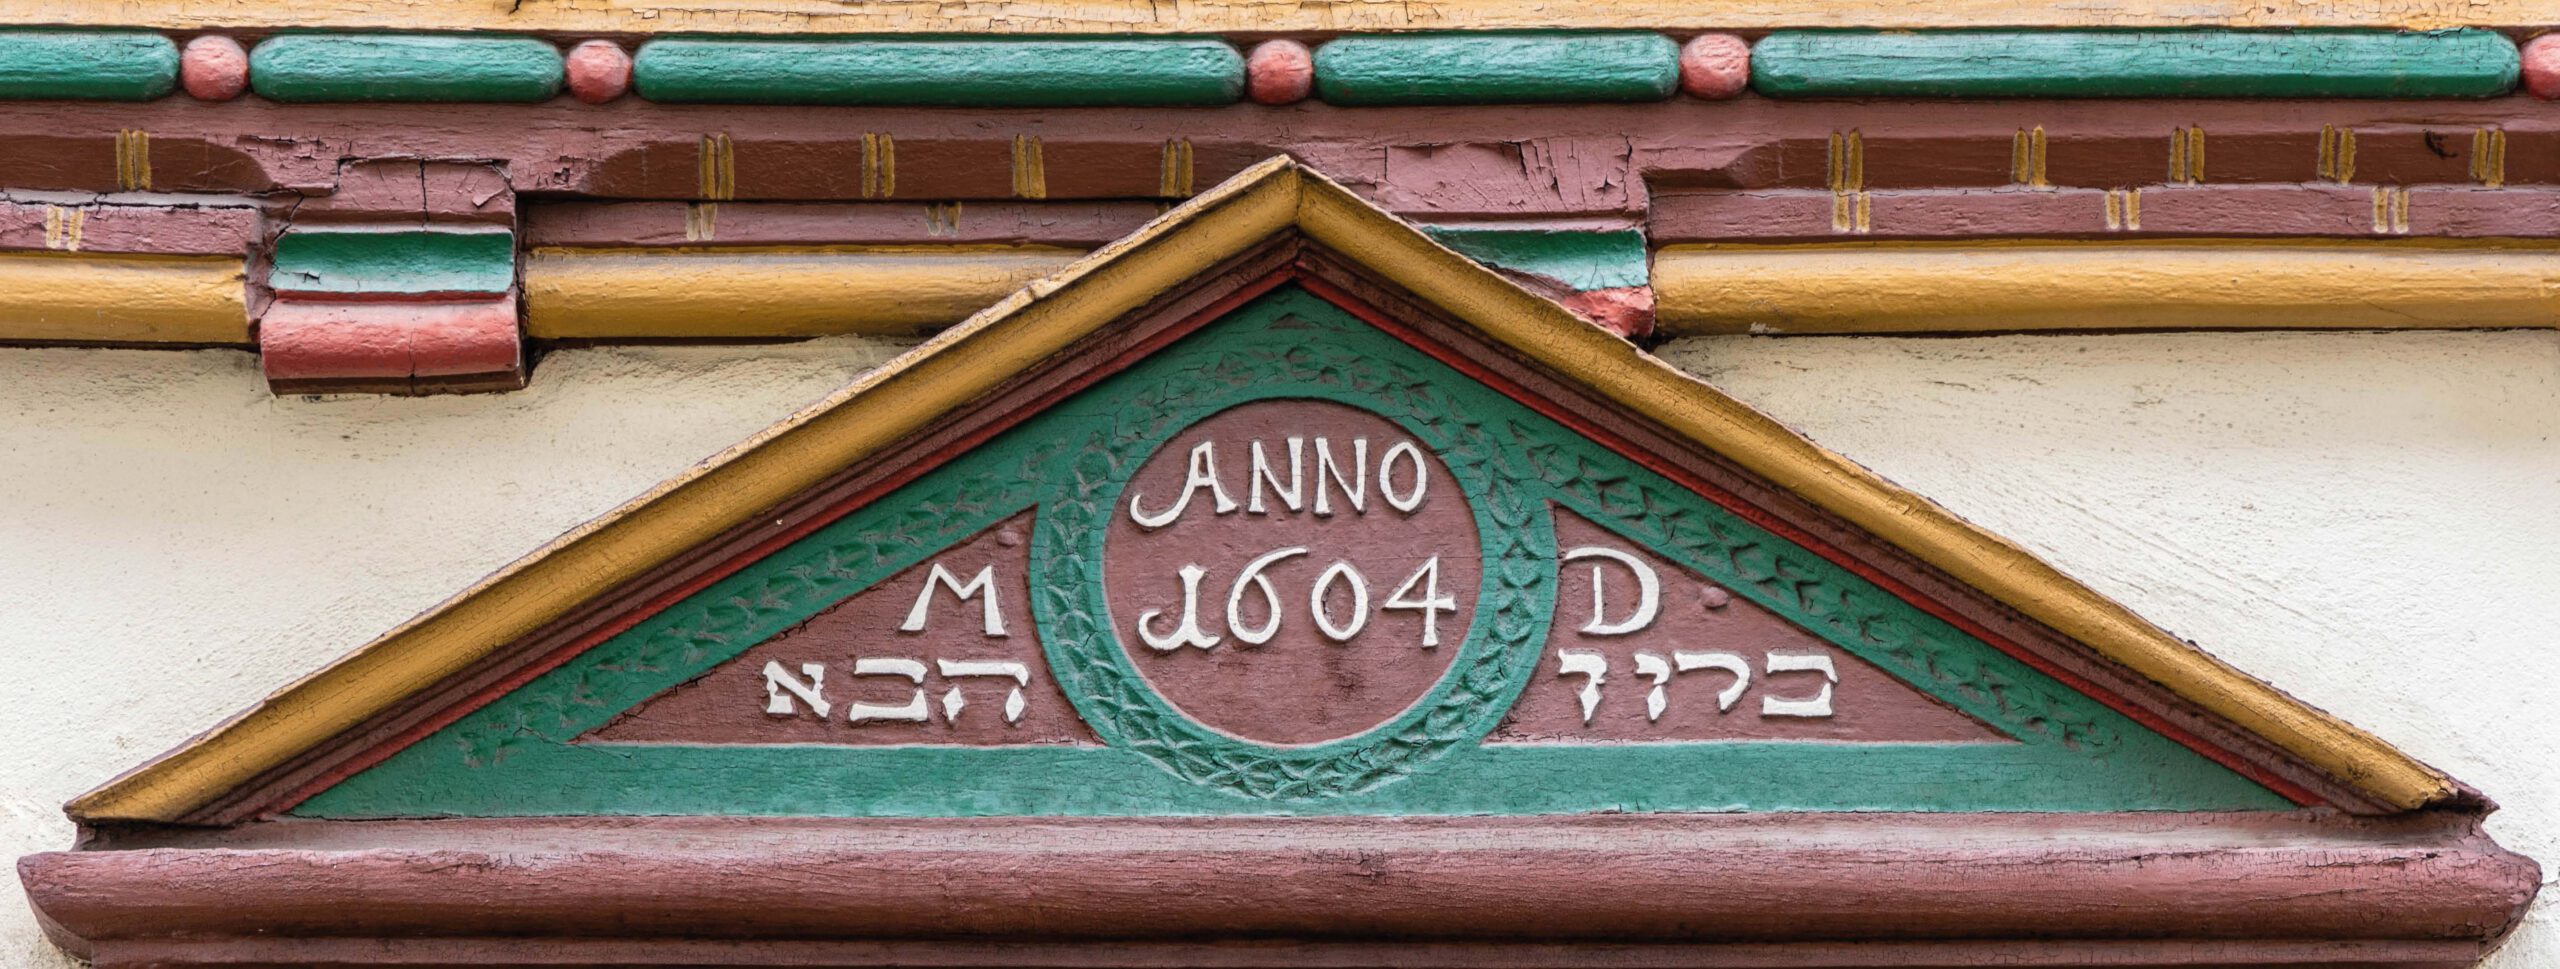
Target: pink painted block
(306, 344)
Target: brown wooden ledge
(1771, 890)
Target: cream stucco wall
(2365, 519)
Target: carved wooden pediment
(1276, 587)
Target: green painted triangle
(522, 755)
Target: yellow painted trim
(1902, 288)
(102, 298)
(766, 291)
(1253, 16)
(946, 373)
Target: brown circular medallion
(1292, 571)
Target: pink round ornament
(599, 71)
(214, 68)
(1280, 72)
(1715, 66)
(2542, 67)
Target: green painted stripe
(394, 67)
(394, 263)
(978, 73)
(522, 755)
(86, 65)
(1497, 68)
(2136, 64)
(1584, 260)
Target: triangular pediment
(1274, 507)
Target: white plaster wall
(2365, 519)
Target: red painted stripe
(1758, 516)
(828, 516)
(1359, 308)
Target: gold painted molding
(1248, 16)
(102, 298)
(1975, 287)
(770, 291)
(944, 374)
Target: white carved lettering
(1592, 667)
(1648, 592)
(1252, 575)
(1291, 497)
(1728, 662)
(1323, 590)
(1355, 492)
(1189, 632)
(1203, 473)
(1818, 705)
(912, 670)
(1432, 603)
(778, 681)
(992, 622)
(1652, 667)
(952, 669)
(1387, 482)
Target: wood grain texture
(770, 291)
(63, 297)
(2129, 64)
(1255, 16)
(404, 67)
(959, 73)
(1926, 288)
(1878, 880)
(1478, 68)
(87, 65)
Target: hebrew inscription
(1641, 649)
(1287, 573)
(945, 652)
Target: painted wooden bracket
(402, 281)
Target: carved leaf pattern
(1509, 466)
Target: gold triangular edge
(946, 373)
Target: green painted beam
(396, 67)
(415, 263)
(956, 73)
(1497, 68)
(1584, 260)
(2135, 64)
(86, 65)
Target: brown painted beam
(2265, 211)
(1689, 880)
(1457, 162)
(1080, 225)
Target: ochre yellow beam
(1255, 16)
(610, 294)
(1912, 288)
(123, 298)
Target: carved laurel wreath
(1317, 360)
(1509, 469)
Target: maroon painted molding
(1524, 161)
(1087, 224)
(1718, 890)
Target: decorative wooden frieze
(1338, 597)
(86, 65)
(404, 67)
(401, 280)
(997, 73)
(2132, 63)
